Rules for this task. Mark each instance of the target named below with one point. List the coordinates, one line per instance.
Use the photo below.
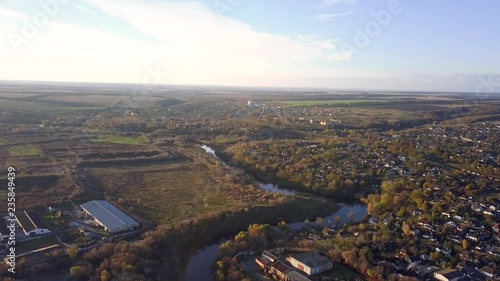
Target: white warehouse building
(109, 216)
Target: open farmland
(107, 100)
(409, 107)
(163, 192)
(30, 105)
(53, 154)
(149, 182)
(118, 139)
(16, 95)
(48, 166)
(329, 102)
(25, 150)
(32, 191)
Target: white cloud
(208, 43)
(67, 52)
(12, 14)
(340, 57)
(196, 44)
(86, 10)
(330, 17)
(334, 2)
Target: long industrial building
(311, 263)
(31, 223)
(109, 216)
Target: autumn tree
(105, 275)
(350, 257)
(406, 229)
(72, 251)
(319, 221)
(79, 271)
(282, 226)
(465, 244)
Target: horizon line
(251, 87)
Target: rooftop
(312, 259)
(297, 276)
(450, 273)
(281, 267)
(29, 221)
(109, 215)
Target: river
(201, 263)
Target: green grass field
(43, 106)
(328, 102)
(119, 139)
(25, 150)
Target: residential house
(448, 275)
(488, 271)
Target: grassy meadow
(25, 150)
(118, 139)
(35, 106)
(163, 192)
(328, 102)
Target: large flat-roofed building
(31, 223)
(109, 216)
(311, 263)
(285, 272)
(294, 275)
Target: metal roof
(281, 267)
(29, 221)
(294, 275)
(110, 216)
(312, 259)
(450, 273)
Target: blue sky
(446, 45)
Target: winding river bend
(200, 264)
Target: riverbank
(298, 208)
(221, 153)
(231, 223)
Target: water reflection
(358, 211)
(200, 266)
(276, 189)
(209, 150)
(201, 263)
